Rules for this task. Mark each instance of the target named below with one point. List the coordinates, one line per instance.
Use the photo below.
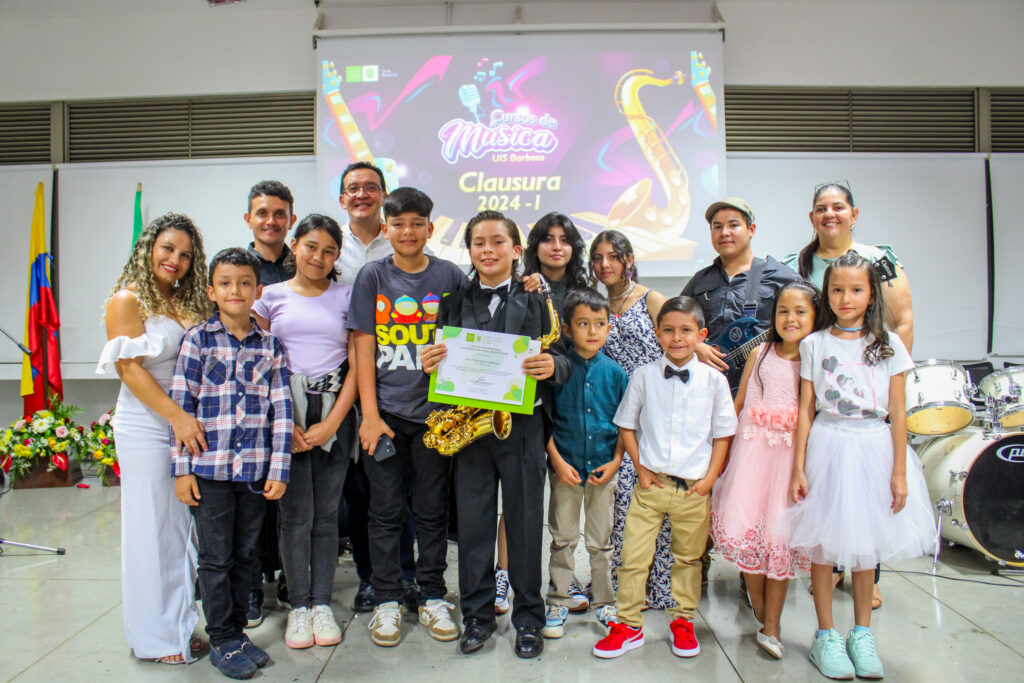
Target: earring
(177, 283)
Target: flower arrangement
(49, 436)
(99, 447)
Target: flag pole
(44, 336)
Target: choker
(629, 290)
(848, 329)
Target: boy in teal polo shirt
(584, 455)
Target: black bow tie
(489, 292)
(671, 372)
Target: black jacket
(525, 313)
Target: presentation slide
(620, 131)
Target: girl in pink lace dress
(754, 490)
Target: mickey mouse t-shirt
(400, 310)
(844, 384)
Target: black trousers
(228, 521)
(427, 472)
(268, 556)
(519, 464)
(356, 496)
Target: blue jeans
(228, 521)
(308, 522)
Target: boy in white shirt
(676, 421)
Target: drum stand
(5, 486)
(991, 425)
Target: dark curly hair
(575, 271)
(623, 252)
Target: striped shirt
(238, 390)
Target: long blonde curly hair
(188, 296)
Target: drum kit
(972, 454)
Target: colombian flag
(41, 321)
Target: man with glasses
(362, 193)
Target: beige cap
(729, 203)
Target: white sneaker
(501, 590)
(606, 614)
(436, 615)
(579, 598)
(325, 628)
(386, 624)
(299, 632)
(554, 621)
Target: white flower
(42, 424)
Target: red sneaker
(684, 642)
(620, 640)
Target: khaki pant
(598, 502)
(688, 517)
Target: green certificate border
(529, 390)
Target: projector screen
(617, 130)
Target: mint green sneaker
(829, 655)
(861, 648)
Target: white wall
(941, 44)
(86, 49)
(81, 49)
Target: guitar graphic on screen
(353, 138)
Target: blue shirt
(583, 410)
(238, 390)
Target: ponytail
(805, 262)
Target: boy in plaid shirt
(231, 375)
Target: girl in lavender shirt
(309, 314)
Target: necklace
(629, 290)
(848, 329)
(622, 298)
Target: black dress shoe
(475, 634)
(365, 599)
(529, 642)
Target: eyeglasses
(842, 182)
(354, 190)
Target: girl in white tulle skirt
(861, 498)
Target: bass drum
(983, 482)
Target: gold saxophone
(634, 208)
(451, 430)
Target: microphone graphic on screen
(470, 98)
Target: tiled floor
(61, 619)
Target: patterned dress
(633, 343)
(751, 495)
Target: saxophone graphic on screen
(635, 207)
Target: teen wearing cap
(721, 288)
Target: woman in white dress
(161, 292)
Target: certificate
(484, 370)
